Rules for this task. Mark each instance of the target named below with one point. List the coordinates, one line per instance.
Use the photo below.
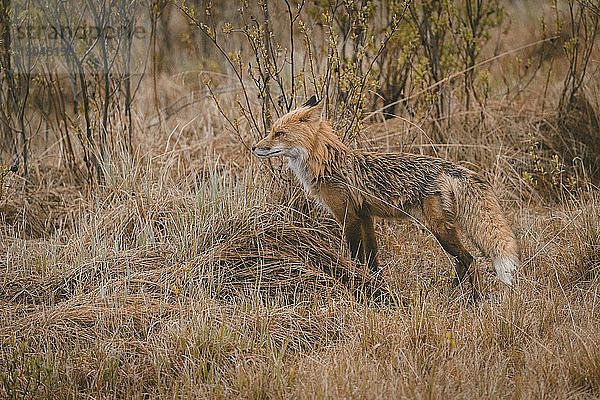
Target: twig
(456, 74)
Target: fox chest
(316, 190)
(300, 169)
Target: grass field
(196, 271)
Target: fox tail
(478, 213)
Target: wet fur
(356, 186)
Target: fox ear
(314, 111)
(312, 102)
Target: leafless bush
(67, 67)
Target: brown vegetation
(194, 270)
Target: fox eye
(278, 133)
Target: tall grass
(191, 276)
(197, 271)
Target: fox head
(294, 134)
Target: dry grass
(196, 272)
(192, 276)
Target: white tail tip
(505, 268)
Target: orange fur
(357, 186)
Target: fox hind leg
(440, 222)
(465, 267)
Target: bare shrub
(191, 271)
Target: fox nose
(253, 148)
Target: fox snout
(268, 147)
(262, 150)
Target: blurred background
(86, 83)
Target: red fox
(356, 186)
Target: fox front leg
(352, 226)
(353, 223)
(369, 242)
